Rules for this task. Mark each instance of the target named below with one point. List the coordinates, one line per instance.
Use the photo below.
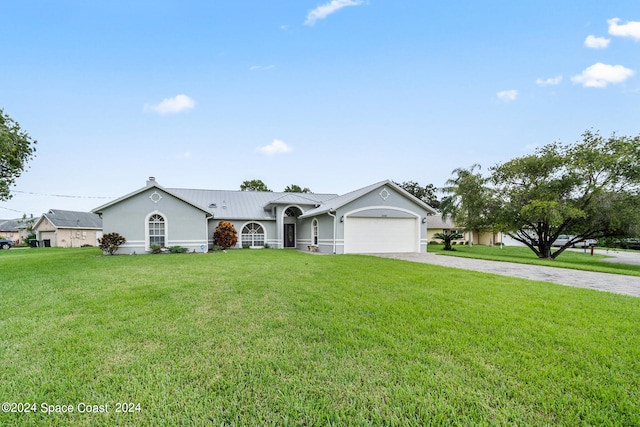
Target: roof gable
(340, 201)
(72, 219)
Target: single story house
(13, 229)
(381, 217)
(68, 229)
(436, 224)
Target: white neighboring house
(381, 217)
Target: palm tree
(447, 238)
(468, 199)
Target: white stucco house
(381, 217)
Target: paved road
(616, 283)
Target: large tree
(468, 200)
(16, 149)
(254, 185)
(588, 190)
(427, 193)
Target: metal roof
(227, 204)
(246, 204)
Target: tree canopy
(588, 190)
(468, 200)
(16, 149)
(293, 188)
(427, 193)
(254, 185)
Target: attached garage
(381, 235)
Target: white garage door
(379, 235)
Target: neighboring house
(435, 224)
(11, 229)
(381, 217)
(68, 229)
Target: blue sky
(330, 95)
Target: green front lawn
(577, 260)
(280, 337)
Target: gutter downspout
(334, 229)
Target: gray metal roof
(72, 219)
(246, 204)
(227, 204)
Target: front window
(156, 230)
(253, 235)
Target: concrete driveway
(616, 283)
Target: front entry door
(289, 235)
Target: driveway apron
(616, 283)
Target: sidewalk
(616, 283)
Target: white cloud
(262, 67)
(327, 9)
(276, 147)
(630, 29)
(601, 75)
(507, 95)
(551, 81)
(172, 105)
(596, 42)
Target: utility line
(62, 195)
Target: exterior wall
(325, 233)
(268, 225)
(380, 202)
(70, 237)
(185, 225)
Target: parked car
(563, 239)
(6, 244)
(631, 243)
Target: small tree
(447, 238)
(110, 242)
(225, 235)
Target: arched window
(314, 231)
(253, 235)
(156, 230)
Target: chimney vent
(151, 181)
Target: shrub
(225, 235)
(178, 250)
(155, 248)
(110, 242)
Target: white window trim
(147, 245)
(263, 229)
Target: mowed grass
(574, 259)
(279, 337)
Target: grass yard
(279, 337)
(577, 260)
